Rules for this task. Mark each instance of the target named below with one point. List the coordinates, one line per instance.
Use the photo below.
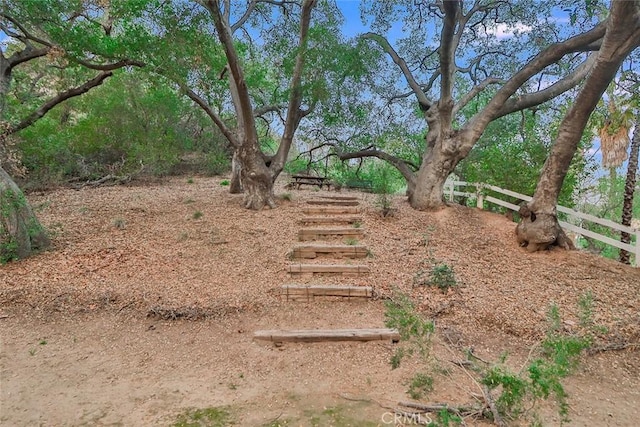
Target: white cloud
(505, 31)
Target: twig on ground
(125, 306)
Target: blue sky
(351, 11)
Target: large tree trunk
(629, 190)
(439, 161)
(429, 188)
(622, 36)
(20, 230)
(257, 180)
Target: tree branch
(475, 91)
(244, 17)
(406, 168)
(261, 111)
(558, 88)
(548, 56)
(109, 67)
(27, 34)
(27, 54)
(238, 84)
(61, 97)
(423, 100)
(294, 115)
(448, 46)
(228, 133)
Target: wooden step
(326, 269)
(313, 251)
(319, 233)
(310, 293)
(339, 197)
(324, 335)
(330, 210)
(332, 220)
(334, 202)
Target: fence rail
(452, 189)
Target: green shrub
(438, 274)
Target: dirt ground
(148, 302)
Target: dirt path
(85, 339)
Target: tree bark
(236, 179)
(629, 190)
(256, 178)
(438, 163)
(621, 37)
(20, 230)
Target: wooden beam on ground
(318, 233)
(334, 202)
(325, 335)
(333, 220)
(313, 251)
(339, 197)
(330, 210)
(326, 269)
(309, 293)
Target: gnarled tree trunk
(257, 181)
(621, 37)
(438, 163)
(20, 230)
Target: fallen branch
(115, 180)
(461, 411)
(497, 419)
(614, 347)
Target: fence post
(451, 188)
(479, 196)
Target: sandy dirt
(148, 302)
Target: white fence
(451, 189)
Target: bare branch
(245, 16)
(475, 91)
(259, 112)
(228, 133)
(559, 87)
(548, 56)
(110, 67)
(26, 55)
(61, 97)
(424, 102)
(24, 31)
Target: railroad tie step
(327, 335)
(339, 197)
(343, 251)
(309, 293)
(330, 220)
(333, 202)
(330, 210)
(329, 269)
(318, 233)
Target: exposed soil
(148, 302)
